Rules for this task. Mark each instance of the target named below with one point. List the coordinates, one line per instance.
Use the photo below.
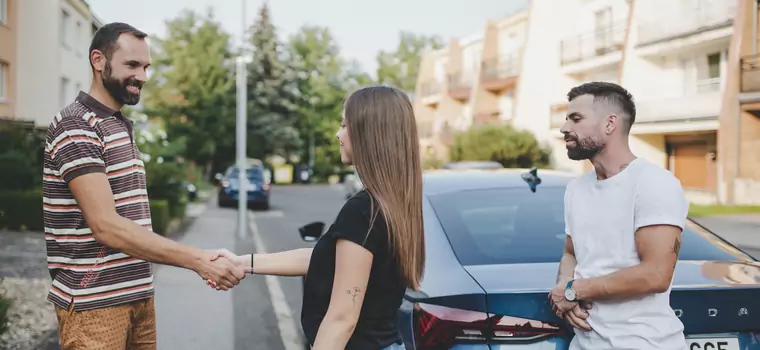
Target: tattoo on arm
(353, 293)
(677, 246)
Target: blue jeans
(396, 347)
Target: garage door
(690, 165)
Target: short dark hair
(106, 37)
(610, 93)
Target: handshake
(221, 269)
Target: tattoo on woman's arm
(353, 293)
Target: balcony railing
(430, 88)
(699, 16)
(750, 79)
(498, 73)
(708, 85)
(599, 42)
(460, 86)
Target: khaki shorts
(129, 326)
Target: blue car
(494, 240)
(258, 187)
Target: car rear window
(515, 225)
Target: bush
(504, 144)
(5, 307)
(21, 210)
(160, 216)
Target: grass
(696, 210)
(5, 306)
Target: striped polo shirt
(86, 137)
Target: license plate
(713, 343)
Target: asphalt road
(263, 312)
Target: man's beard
(583, 149)
(118, 89)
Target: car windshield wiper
(532, 179)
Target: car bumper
(257, 196)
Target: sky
(361, 27)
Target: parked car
(258, 186)
(494, 241)
(352, 184)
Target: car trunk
(708, 296)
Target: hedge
(5, 306)
(21, 210)
(160, 215)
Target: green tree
(399, 68)
(315, 55)
(500, 143)
(192, 89)
(272, 94)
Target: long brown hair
(386, 156)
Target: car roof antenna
(532, 179)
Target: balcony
(601, 41)
(500, 73)
(430, 92)
(750, 74)
(695, 18)
(460, 86)
(695, 110)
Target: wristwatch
(570, 292)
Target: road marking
(291, 337)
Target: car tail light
(265, 186)
(225, 183)
(440, 327)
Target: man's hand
(577, 316)
(222, 274)
(560, 305)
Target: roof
(446, 181)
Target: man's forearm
(136, 241)
(566, 268)
(624, 284)
(288, 263)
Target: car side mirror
(218, 177)
(311, 232)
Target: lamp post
(241, 137)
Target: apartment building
(739, 135)
(8, 26)
(674, 57)
(471, 80)
(53, 38)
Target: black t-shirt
(377, 325)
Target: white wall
(45, 56)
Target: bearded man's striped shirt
(87, 137)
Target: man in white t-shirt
(623, 225)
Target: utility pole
(241, 132)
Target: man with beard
(623, 225)
(96, 211)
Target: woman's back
(376, 327)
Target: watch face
(569, 294)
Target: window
(603, 29)
(64, 95)
(515, 225)
(78, 37)
(3, 80)
(65, 18)
(3, 11)
(713, 65)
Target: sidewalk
(742, 230)
(191, 315)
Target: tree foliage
(399, 68)
(500, 143)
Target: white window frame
(65, 19)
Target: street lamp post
(241, 134)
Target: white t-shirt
(602, 217)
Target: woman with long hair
(358, 271)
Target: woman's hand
(240, 261)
